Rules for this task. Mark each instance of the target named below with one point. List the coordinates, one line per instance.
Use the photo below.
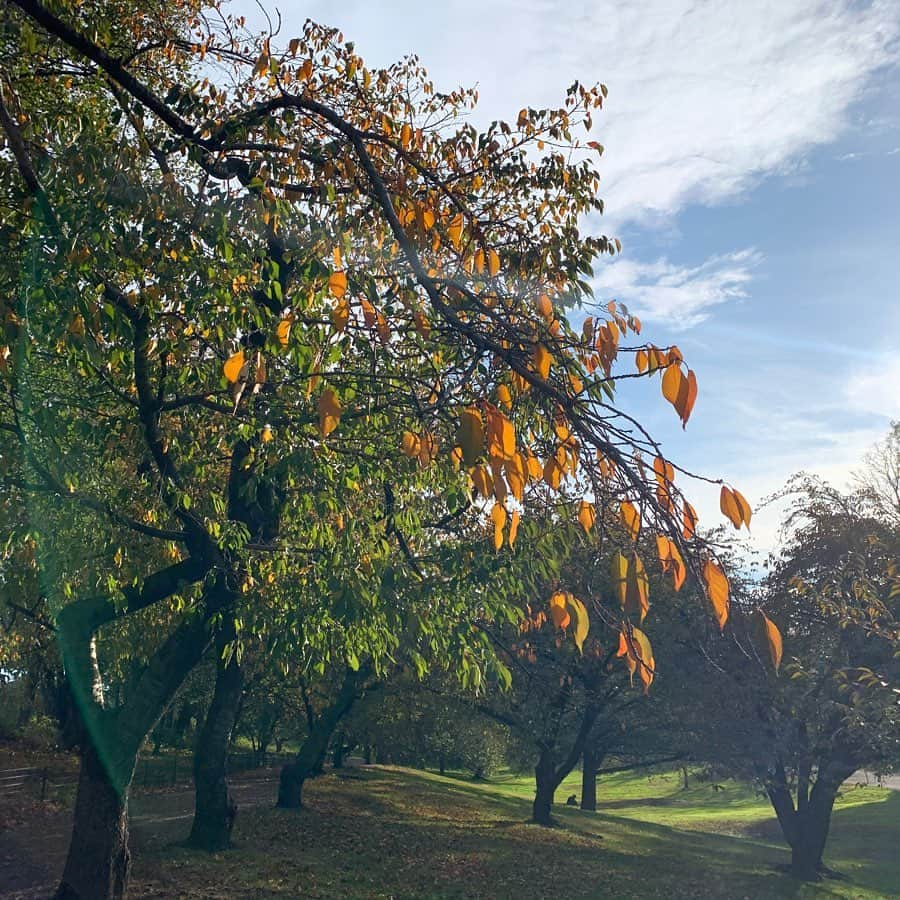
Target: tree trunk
(214, 807)
(290, 786)
(546, 784)
(589, 764)
(98, 862)
(813, 824)
(684, 776)
(312, 752)
(442, 763)
(337, 756)
(805, 826)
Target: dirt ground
(34, 836)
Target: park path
(33, 850)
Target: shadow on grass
(408, 834)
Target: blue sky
(752, 171)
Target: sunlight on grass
(388, 832)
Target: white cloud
(680, 296)
(876, 389)
(705, 98)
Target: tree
(275, 275)
(799, 714)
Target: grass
(386, 832)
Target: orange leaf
(483, 482)
(337, 284)
(410, 444)
(498, 517)
(671, 383)
(631, 519)
(773, 637)
(454, 230)
(503, 395)
(513, 527)
(743, 505)
(470, 435)
(329, 412)
(729, 506)
(586, 516)
(542, 361)
(340, 315)
(283, 331)
(501, 435)
(233, 366)
(690, 518)
(493, 263)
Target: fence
(151, 771)
(34, 781)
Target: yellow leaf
(635, 647)
(631, 519)
(586, 516)
(456, 457)
(283, 331)
(493, 263)
(545, 307)
(542, 361)
(558, 611)
(233, 366)
(514, 467)
(716, 590)
(266, 435)
(428, 448)
(470, 435)
(406, 135)
(503, 395)
(454, 230)
(501, 435)
(553, 473)
(513, 527)
(483, 482)
(670, 558)
(337, 284)
(773, 637)
(340, 315)
(329, 412)
(479, 261)
(534, 468)
(637, 588)
(582, 623)
(641, 361)
(410, 444)
(498, 517)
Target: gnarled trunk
(805, 826)
(214, 807)
(98, 862)
(312, 752)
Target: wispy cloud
(680, 296)
(876, 388)
(705, 98)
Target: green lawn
(397, 833)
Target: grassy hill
(386, 832)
